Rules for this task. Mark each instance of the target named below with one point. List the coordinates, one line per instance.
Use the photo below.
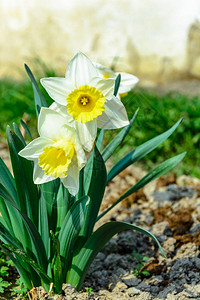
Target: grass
(157, 114)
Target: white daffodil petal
(87, 133)
(104, 72)
(63, 111)
(39, 176)
(128, 81)
(80, 70)
(106, 86)
(82, 160)
(50, 123)
(71, 182)
(35, 148)
(114, 116)
(58, 88)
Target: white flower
(86, 98)
(57, 153)
(127, 83)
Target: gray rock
(172, 193)
(143, 287)
(133, 291)
(167, 290)
(195, 229)
(161, 229)
(131, 280)
(169, 246)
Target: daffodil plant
(50, 202)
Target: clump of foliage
(20, 289)
(4, 272)
(139, 271)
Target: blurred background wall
(156, 40)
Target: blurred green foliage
(157, 113)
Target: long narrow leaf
(30, 261)
(117, 84)
(23, 172)
(19, 134)
(5, 217)
(96, 192)
(39, 98)
(24, 274)
(44, 225)
(6, 237)
(88, 173)
(72, 225)
(118, 139)
(140, 152)
(62, 204)
(153, 174)
(8, 182)
(94, 244)
(26, 128)
(50, 190)
(100, 139)
(37, 245)
(15, 218)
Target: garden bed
(131, 266)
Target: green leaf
(153, 174)
(118, 139)
(24, 274)
(117, 84)
(96, 192)
(26, 128)
(72, 225)
(23, 173)
(39, 99)
(100, 139)
(44, 225)
(94, 244)
(57, 265)
(7, 181)
(62, 205)
(37, 245)
(140, 152)
(19, 134)
(88, 173)
(15, 218)
(5, 218)
(3, 284)
(50, 190)
(6, 237)
(81, 191)
(19, 253)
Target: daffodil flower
(87, 98)
(127, 83)
(57, 153)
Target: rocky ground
(131, 265)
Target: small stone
(131, 280)
(101, 256)
(168, 290)
(197, 262)
(143, 286)
(169, 246)
(119, 287)
(144, 296)
(195, 229)
(187, 250)
(133, 291)
(161, 228)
